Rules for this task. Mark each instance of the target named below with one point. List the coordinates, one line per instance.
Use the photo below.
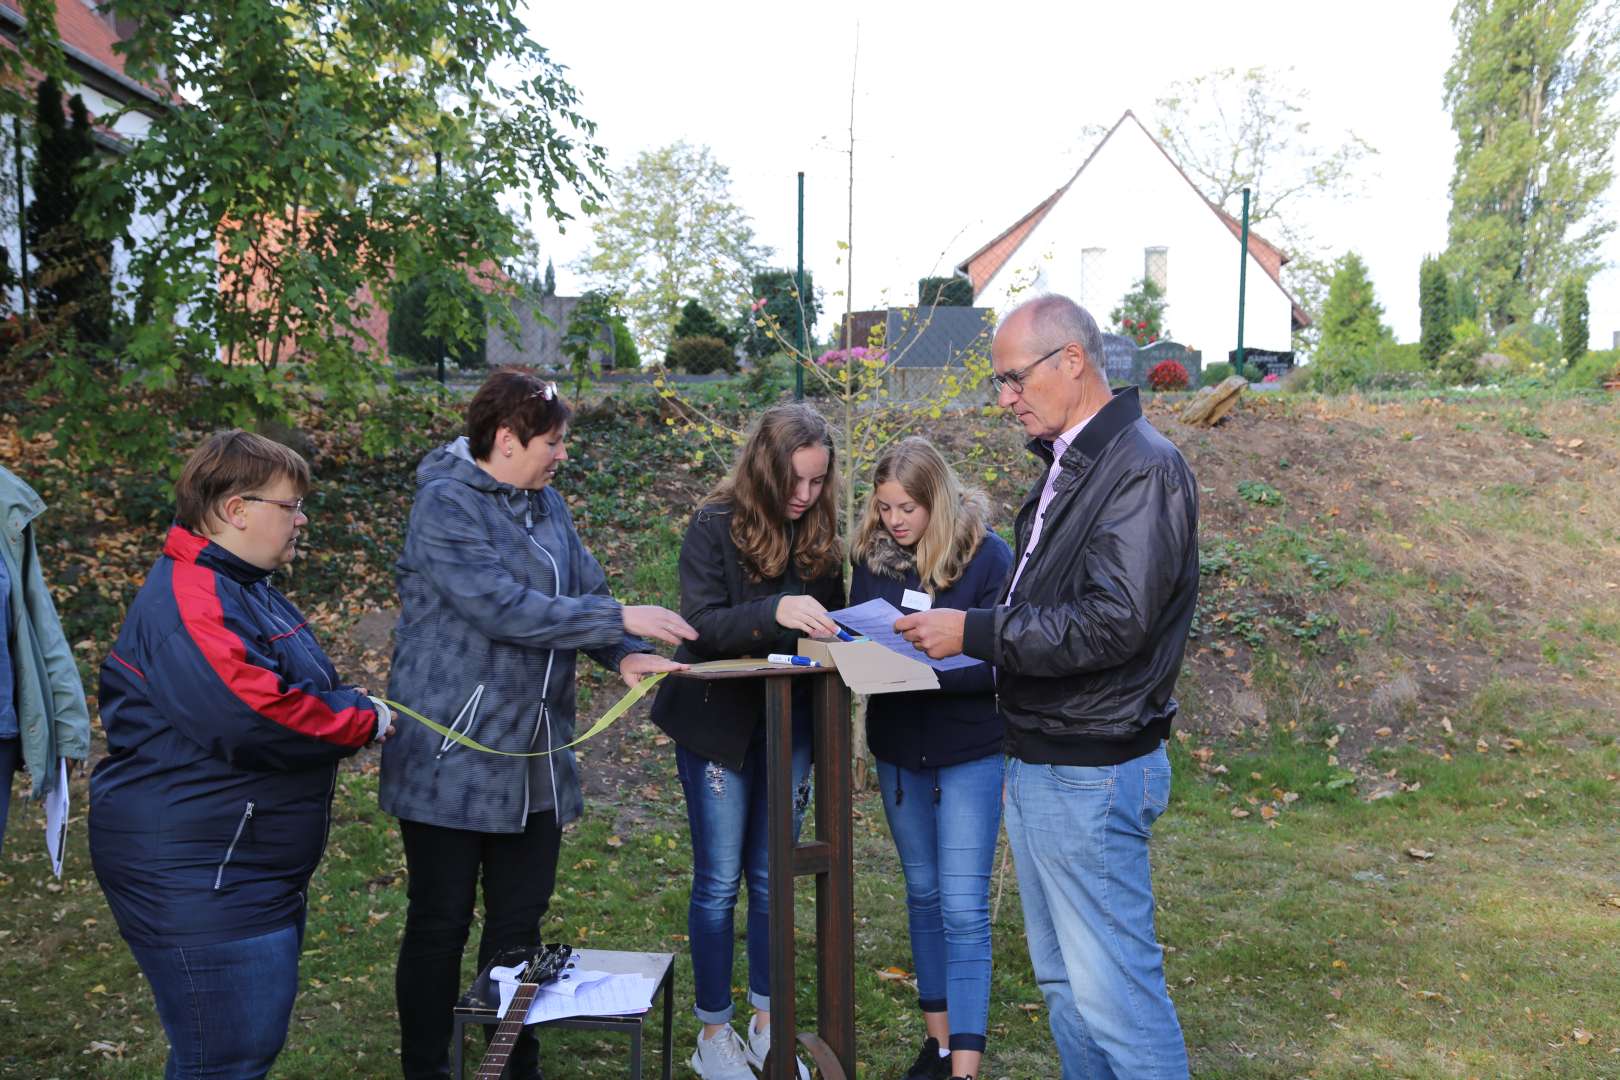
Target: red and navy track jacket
(225, 723)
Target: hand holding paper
(937, 633)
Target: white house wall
(1128, 199)
(131, 127)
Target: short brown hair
(513, 398)
(232, 463)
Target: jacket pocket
(230, 851)
(465, 721)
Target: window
(1093, 289)
(1156, 267)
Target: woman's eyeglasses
(547, 392)
(295, 505)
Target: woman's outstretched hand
(805, 614)
(638, 665)
(652, 621)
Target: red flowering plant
(1167, 375)
(1140, 315)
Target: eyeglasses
(546, 392)
(1014, 380)
(295, 505)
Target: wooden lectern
(830, 857)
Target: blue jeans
(10, 754)
(1079, 838)
(224, 1007)
(726, 812)
(944, 822)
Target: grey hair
(1055, 320)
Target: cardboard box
(868, 668)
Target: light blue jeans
(1079, 839)
(726, 812)
(944, 822)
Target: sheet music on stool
(582, 993)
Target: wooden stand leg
(835, 887)
(830, 857)
(779, 806)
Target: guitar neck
(500, 1047)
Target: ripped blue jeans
(726, 812)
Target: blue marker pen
(845, 635)
(796, 661)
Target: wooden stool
(481, 1004)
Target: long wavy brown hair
(760, 486)
(957, 516)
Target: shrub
(1591, 371)
(1167, 375)
(702, 355)
(1216, 373)
(1140, 315)
(1572, 320)
(944, 292)
(1460, 364)
(768, 378)
(1434, 311)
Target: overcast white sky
(967, 115)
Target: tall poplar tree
(1530, 90)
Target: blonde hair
(957, 516)
(758, 490)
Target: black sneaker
(929, 1065)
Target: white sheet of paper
(56, 816)
(875, 619)
(912, 600)
(601, 995)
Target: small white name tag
(913, 600)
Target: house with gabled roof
(95, 71)
(1130, 212)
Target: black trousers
(518, 872)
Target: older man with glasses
(1087, 644)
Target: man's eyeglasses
(295, 505)
(1014, 380)
(547, 392)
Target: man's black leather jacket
(1088, 647)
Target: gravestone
(1119, 358)
(1258, 363)
(1157, 353)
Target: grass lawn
(1392, 848)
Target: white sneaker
(759, 1044)
(721, 1056)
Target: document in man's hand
(876, 618)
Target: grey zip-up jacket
(496, 594)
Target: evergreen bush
(1592, 371)
(1434, 311)
(1574, 311)
(702, 355)
(1216, 373)
(944, 292)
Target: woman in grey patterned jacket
(497, 593)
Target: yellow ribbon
(606, 720)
